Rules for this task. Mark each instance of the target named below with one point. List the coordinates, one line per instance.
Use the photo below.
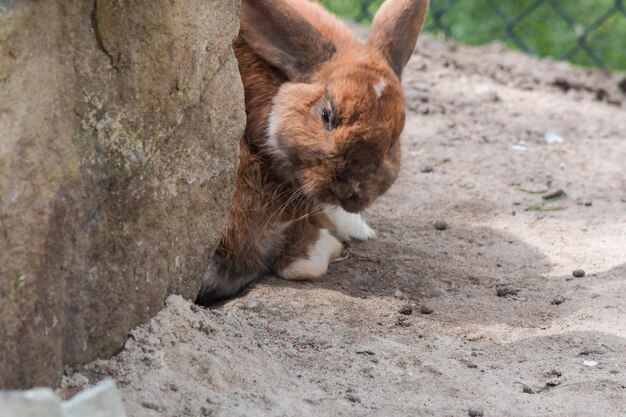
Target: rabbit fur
(324, 116)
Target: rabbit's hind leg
(223, 280)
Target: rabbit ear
(395, 28)
(283, 37)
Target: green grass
(544, 31)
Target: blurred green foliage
(585, 32)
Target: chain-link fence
(586, 32)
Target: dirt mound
(482, 311)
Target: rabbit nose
(354, 191)
(347, 191)
(350, 195)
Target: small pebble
(578, 273)
(441, 225)
(588, 203)
(527, 390)
(553, 383)
(520, 146)
(204, 328)
(553, 373)
(559, 299)
(353, 398)
(406, 309)
(475, 412)
(426, 169)
(424, 309)
(551, 137)
(403, 321)
(504, 290)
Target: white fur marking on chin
(272, 140)
(349, 225)
(380, 86)
(320, 254)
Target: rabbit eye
(327, 118)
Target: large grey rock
(119, 125)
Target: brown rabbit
(325, 112)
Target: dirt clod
(426, 309)
(403, 321)
(406, 309)
(558, 300)
(475, 412)
(578, 273)
(504, 290)
(441, 225)
(353, 398)
(553, 374)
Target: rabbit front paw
(349, 226)
(324, 250)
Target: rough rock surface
(119, 124)
(340, 346)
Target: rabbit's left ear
(283, 37)
(395, 29)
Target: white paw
(320, 254)
(349, 226)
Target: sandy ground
(342, 346)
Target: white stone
(38, 402)
(551, 137)
(103, 400)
